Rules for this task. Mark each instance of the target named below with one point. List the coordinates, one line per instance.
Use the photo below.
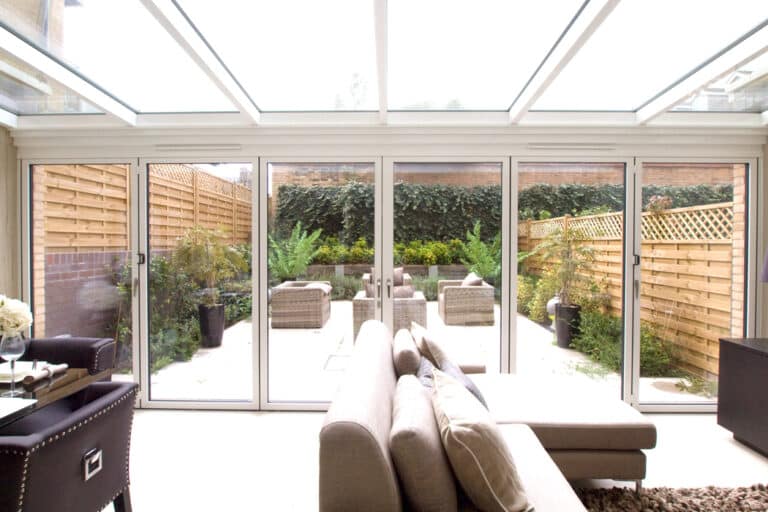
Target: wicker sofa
(465, 305)
(406, 309)
(301, 304)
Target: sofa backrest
(356, 469)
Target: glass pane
(120, 47)
(569, 283)
(468, 55)
(692, 268)
(447, 223)
(645, 46)
(320, 224)
(200, 288)
(744, 90)
(81, 258)
(298, 54)
(23, 90)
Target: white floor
(209, 461)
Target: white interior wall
(9, 217)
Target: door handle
(389, 288)
(378, 288)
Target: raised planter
(211, 324)
(566, 323)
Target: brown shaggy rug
(663, 499)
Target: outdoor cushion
(480, 458)
(403, 292)
(565, 416)
(417, 450)
(397, 277)
(472, 279)
(405, 354)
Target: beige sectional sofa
(552, 435)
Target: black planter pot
(211, 324)
(566, 324)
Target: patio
(305, 364)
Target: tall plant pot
(566, 323)
(211, 324)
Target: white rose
(15, 316)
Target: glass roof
(643, 47)
(24, 91)
(469, 55)
(121, 48)
(744, 90)
(295, 55)
(472, 58)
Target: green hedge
(443, 212)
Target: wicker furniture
(465, 305)
(301, 304)
(406, 309)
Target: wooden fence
(688, 270)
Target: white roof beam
(764, 118)
(182, 31)
(8, 120)
(587, 22)
(729, 61)
(55, 70)
(380, 26)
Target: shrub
(546, 288)
(526, 288)
(289, 258)
(481, 258)
(360, 252)
(344, 287)
(427, 285)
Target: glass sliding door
(319, 278)
(692, 275)
(199, 282)
(447, 221)
(80, 254)
(570, 292)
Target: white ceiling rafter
(764, 118)
(176, 24)
(729, 61)
(588, 21)
(25, 52)
(8, 119)
(380, 17)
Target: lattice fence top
(708, 222)
(175, 172)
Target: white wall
(10, 243)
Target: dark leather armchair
(72, 455)
(95, 354)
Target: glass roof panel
(295, 55)
(23, 90)
(120, 47)
(744, 90)
(468, 55)
(643, 47)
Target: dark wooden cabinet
(743, 390)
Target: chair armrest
(442, 283)
(95, 354)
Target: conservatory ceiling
(180, 63)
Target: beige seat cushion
(565, 416)
(479, 456)
(405, 354)
(417, 450)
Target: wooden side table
(743, 390)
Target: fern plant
(480, 257)
(290, 258)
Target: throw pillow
(446, 365)
(418, 332)
(424, 373)
(472, 279)
(417, 451)
(397, 278)
(404, 292)
(478, 454)
(405, 355)
(370, 290)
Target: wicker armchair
(301, 304)
(406, 309)
(465, 305)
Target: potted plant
(289, 259)
(570, 258)
(201, 255)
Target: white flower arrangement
(15, 316)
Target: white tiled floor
(210, 461)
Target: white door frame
(143, 238)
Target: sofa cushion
(445, 364)
(478, 454)
(405, 354)
(565, 416)
(421, 463)
(472, 279)
(424, 373)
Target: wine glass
(12, 348)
